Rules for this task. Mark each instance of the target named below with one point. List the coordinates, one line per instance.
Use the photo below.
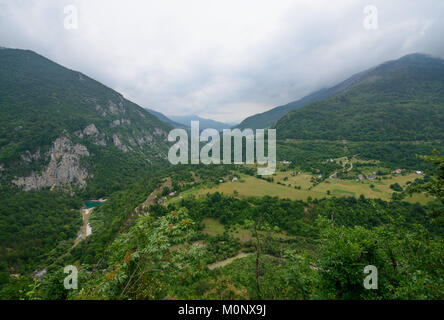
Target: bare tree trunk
(256, 234)
(257, 265)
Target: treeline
(313, 156)
(297, 217)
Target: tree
(396, 187)
(435, 186)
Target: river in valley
(86, 229)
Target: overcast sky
(222, 59)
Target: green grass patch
(212, 226)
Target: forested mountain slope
(62, 131)
(400, 100)
(270, 117)
(60, 128)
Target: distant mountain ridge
(398, 100)
(203, 123)
(164, 118)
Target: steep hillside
(62, 131)
(269, 118)
(60, 128)
(398, 100)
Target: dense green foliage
(409, 263)
(370, 213)
(311, 156)
(144, 263)
(31, 225)
(434, 186)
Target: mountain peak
(417, 56)
(411, 60)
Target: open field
(212, 226)
(254, 187)
(215, 228)
(249, 186)
(299, 180)
(338, 187)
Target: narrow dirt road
(223, 263)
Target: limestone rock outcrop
(64, 167)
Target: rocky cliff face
(119, 144)
(63, 168)
(91, 131)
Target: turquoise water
(91, 204)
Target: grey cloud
(221, 59)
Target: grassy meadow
(296, 185)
